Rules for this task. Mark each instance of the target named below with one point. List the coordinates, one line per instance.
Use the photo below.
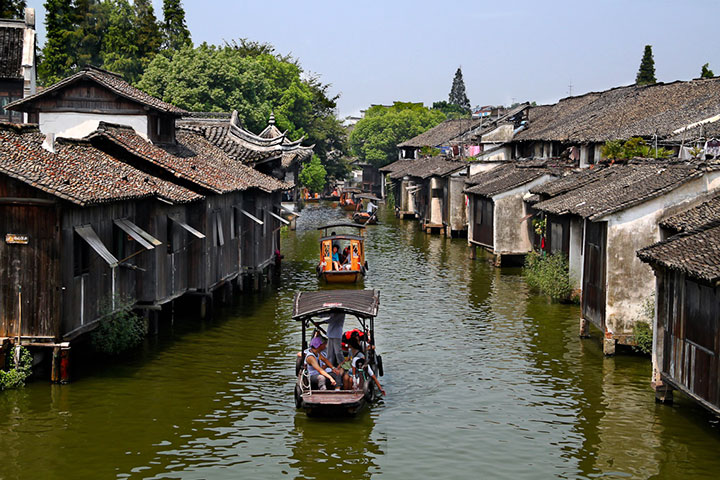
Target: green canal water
(484, 380)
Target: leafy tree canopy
(705, 72)
(632, 148)
(112, 34)
(450, 110)
(375, 138)
(256, 83)
(313, 175)
(12, 8)
(646, 73)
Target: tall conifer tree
(56, 57)
(176, 32)
(646, 74)
(457, 92)
(12, 8)
(149, 38)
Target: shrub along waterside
(16, 371)
(548, 274)
(119, 330)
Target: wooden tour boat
(347, 201)
(361, 216)
(308, 307)
(354, 267)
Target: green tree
(457, 92)
(450, 110)
(147, 30)
(57, 61)
(646, 73)
(255, 83)
(375, 138)
(313, 175)
(705, 72)
(75, 32)
(120, 52)
(177, 35)
(12, 8)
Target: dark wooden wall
(32, 269)
(88, 296)
(87, 97)
(688, 333)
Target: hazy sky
(381, 51)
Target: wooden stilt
(55, 367)
(584, 328)
(609, 346)
(64, 364)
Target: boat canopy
(366, 196)
(361, 303)
(341, 224)
(342, 236)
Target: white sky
(381, 51)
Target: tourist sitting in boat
(319, 375)
(336, 258)
(358, 366)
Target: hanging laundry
(712, 148)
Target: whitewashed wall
(629, 281)
(79, 125)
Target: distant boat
(351, 267)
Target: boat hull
(341, 277)
(333, 403)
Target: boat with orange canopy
(350, 266)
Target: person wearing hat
(319, 375)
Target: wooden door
(483, 217)
(593, 305)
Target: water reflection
(483, 378)
(319, 450)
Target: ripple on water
(483, 379)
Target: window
(120, 240)
(170, 236)
(81, 256)
(556, 237)
(218, 229)
(9, 115)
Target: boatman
(371, 207)
(336, 321)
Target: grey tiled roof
(624, 112)
(696, 217)
(109, 80)
(192, 159)
(503, 178)
(695, 253)
(77, 171)
(442, 133)
(619, 187)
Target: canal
(484, 379)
